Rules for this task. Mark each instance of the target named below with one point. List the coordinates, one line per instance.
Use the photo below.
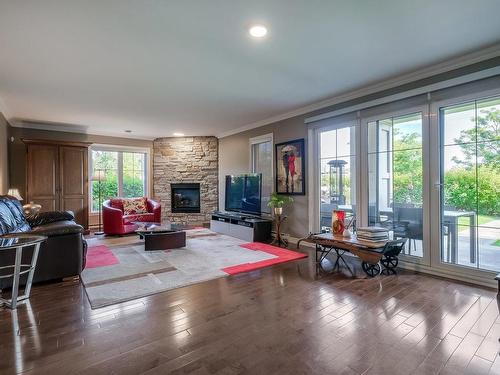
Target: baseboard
(475, 280)
(487, 282)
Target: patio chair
(408, 224)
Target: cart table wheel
(371, 270)
(390, 263)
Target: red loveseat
(115, 222)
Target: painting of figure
(290, 167)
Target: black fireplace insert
(185, 197)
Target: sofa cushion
(143, 218)
(12, 218)
(58, 228)
(41, 218)
(133, 206)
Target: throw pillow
(134, 206)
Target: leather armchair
(61, 255)
(115, 222)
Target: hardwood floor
(278, 320)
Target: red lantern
(338, 225)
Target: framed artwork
(291, 167)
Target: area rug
(125, 272)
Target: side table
(279, 240)
(19, 242)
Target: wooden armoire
(57, 176)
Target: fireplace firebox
(185, 197)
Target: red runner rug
(283, 255)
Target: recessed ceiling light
(258, 31)
(128, 131)
(178, 134)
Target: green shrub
(461, 193)
(109, 188)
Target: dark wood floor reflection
(274, 321)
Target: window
(337, 173)
(470, 178)
(395, 178)
(261, 160)
(124, 174)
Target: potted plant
(277, 201)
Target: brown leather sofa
(61, 255)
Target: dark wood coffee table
(161, 237)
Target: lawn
(481, 220)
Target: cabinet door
(43, 184)
(73, 182)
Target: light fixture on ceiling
(178, 134)
(128, 131)
(258, 31)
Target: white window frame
(121, 150)
(255, 141)
(461, 272)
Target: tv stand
(245, 227)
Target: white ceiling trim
(456, 63)
(491, 72)
(78, 129)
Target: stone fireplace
(184, 169)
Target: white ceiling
(159, 66)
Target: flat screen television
(243, 193)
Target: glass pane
(488, 120)
(408, 223)
(104, 163)
(408, 180)
(459, 124)
(372, 136)
(395, 179)
(471, 170)
(489, 245)
(133, 174)
(380, 193)
(337, 175)
(380, 136)
(488, 184)
(102, 160)
(262, 157)
(346, 141)
(128, 161)
(407, 132)
(133, 184)
(459, 238)
(328, 144)
(459, 178)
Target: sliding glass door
(396, 179)
(470, 184)
(427, 169)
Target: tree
(486, 131)
(407, 168)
